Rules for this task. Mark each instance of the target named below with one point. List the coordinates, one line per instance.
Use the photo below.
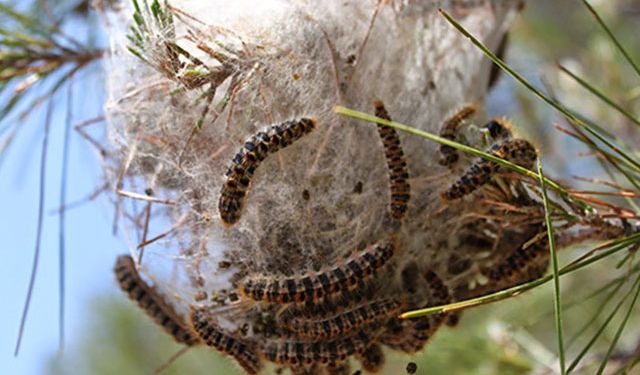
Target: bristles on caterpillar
(244, 164)
(151, 302)
(398, 171)
(315, 287)
(517, 151)
(241, 349)
(449, 130)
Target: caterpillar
(345, 322)
(328, 353)
(315, 287)
(151, 302)
(449, 130)
(518, 151)
(398, 172)
(242, 350)
(244, 164)
(523, 265)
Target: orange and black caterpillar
(449, 130)
(523, 265)
(327, 353)
(313, 287)
(152, 302)
(247, 160)
(518, 151)
(398, 172)
(241, 349)
(345, 322)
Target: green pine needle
(554, 263)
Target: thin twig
(41, 197)
(165, 233)
(145, 230)
(170, 361)
(145, 198)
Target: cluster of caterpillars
(518, 151)
(317, 321)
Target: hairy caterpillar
(314, 287)
(398, 172)
(518, 151)
(151, 302)
(246, 161)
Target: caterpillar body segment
(151, 302)
(244, 164)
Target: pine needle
(556, 278)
